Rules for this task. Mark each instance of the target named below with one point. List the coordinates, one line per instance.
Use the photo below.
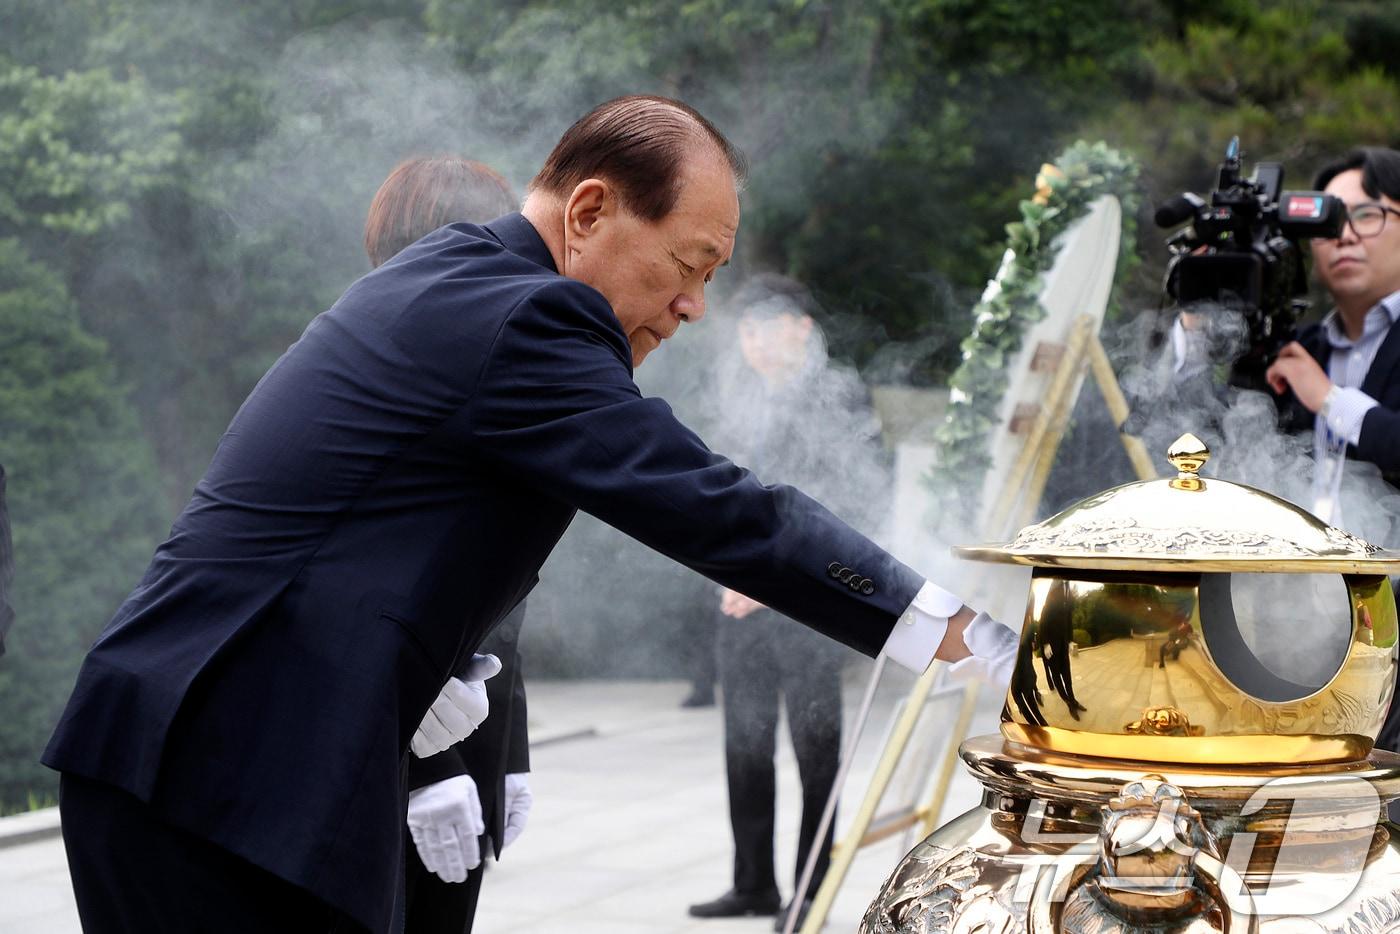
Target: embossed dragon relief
(1126, 536)
(941, 890)
(1332, 711)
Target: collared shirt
(1339, 424)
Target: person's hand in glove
(459, 709)
(518, 803)
(445, 822)
(993, 647)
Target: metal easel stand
(1015, 507)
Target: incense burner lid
(1188, 523)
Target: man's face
(775, 347)
(1359, 272)
(654, 273)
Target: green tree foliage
(75, 148)
(885, 138)
(83, 504)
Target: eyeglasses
(1368, 220)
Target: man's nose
(688, 306)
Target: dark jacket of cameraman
(1379, 441)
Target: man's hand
(459, 709)
(953, 648)
(519, 800)
(445, 822)
(732, 603)
(1296, 369)
(980, 647)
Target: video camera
(1241, 251)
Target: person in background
(787, 414)
(1340, 379)
(476, 794)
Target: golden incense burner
(1186, 744)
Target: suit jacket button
(854, 582)
(834, 569)
(867, 587)
(847, 575)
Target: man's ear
(591, 202)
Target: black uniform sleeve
(518, 742)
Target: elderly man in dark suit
(232, 751)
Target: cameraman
(1346, 368)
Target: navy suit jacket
(1379, 442)
(384, 496)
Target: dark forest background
(183, 185)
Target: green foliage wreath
(1011, 304)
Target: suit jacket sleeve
(1380, 429)
(555, 407)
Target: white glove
(993, 647)
(459, 709)
(445, 821)
(518, 803)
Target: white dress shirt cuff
(920, 628)
(1345, 411)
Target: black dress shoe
(734, 904)
(802, 910)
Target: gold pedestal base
(1271, 849)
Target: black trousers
(700, 652)
(437, 907)
(761, 657)
(135, 874)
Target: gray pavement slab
(630, 820)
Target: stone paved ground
(629, 824)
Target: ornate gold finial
(1188, 454)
